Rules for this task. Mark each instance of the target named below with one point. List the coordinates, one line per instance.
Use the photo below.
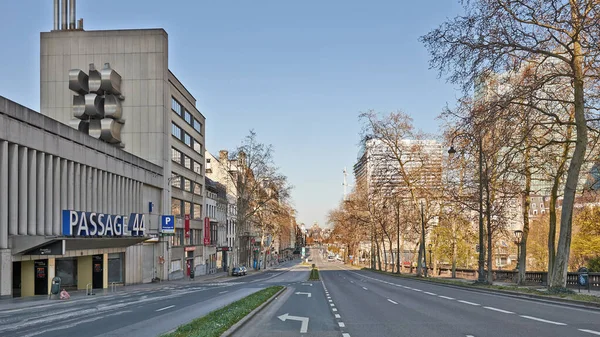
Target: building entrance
(98, 271)
(41, 277)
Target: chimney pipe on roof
(56, 15)
(72, 14)
(63, 19)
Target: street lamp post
(518, 237)
(481, 271)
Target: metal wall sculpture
(97, 106)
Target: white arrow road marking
(304, 320)
(301, 293)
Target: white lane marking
(542, 320)
(341, 324)
(446, 297)
(345, 335)
(365, 288)
(331, 304)
(334, 309)
(467, 302)
(417, 290)
(165, 308)
(222, 292)
(470, 336)
(499, 310)
(392, 301)
(338, 316)
(302, 293)
(428, 293)
(351, 281)
(330, 301)
(590, 331)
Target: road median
(570, 298)
(224, 321)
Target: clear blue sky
(298, 72)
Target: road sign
(167, 224)
(304, 320)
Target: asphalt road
(372, 304)
(149, 311)
(353, 303)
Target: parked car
(244, 270)
(236, 271)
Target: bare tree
(259, 187)
(499, 36)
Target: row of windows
(179, 239)
(186, 184)
(179, 208)
(187, 116)
(185, 161)
(185, 137)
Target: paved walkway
(79, 295)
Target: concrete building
(151, 115)
(72, 206)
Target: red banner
(206, 231)
(187, 225)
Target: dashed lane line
(338, 316)
(365, 288)
(469, 303)
(165, 308)
(446, 297)
(499, 310)
(341, 324)
(392, 301)
(345, 335)
(590, 331)
(542, 320)
(429, 293)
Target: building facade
(72, 206)
(151, 115)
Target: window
(197, 126)
(177, 239)
(176, 106)
(187, 139)
(197, 147)
(187, 162)
(176, 131)
(187, 117)
(197, 189)
(187, 207)
(176, 155)
(175, 207)
(197, 167)
(175, 180)
(197, 211)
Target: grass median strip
(517, 289)
(218, 321)
(314, 275)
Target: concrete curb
(253, 313)
(512, 294)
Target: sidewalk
(81, 296)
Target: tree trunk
(526, 204)
(378, 255)
(420, 259)
(488, 215)
(553, 198)
(561, 264)
(454, 249)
